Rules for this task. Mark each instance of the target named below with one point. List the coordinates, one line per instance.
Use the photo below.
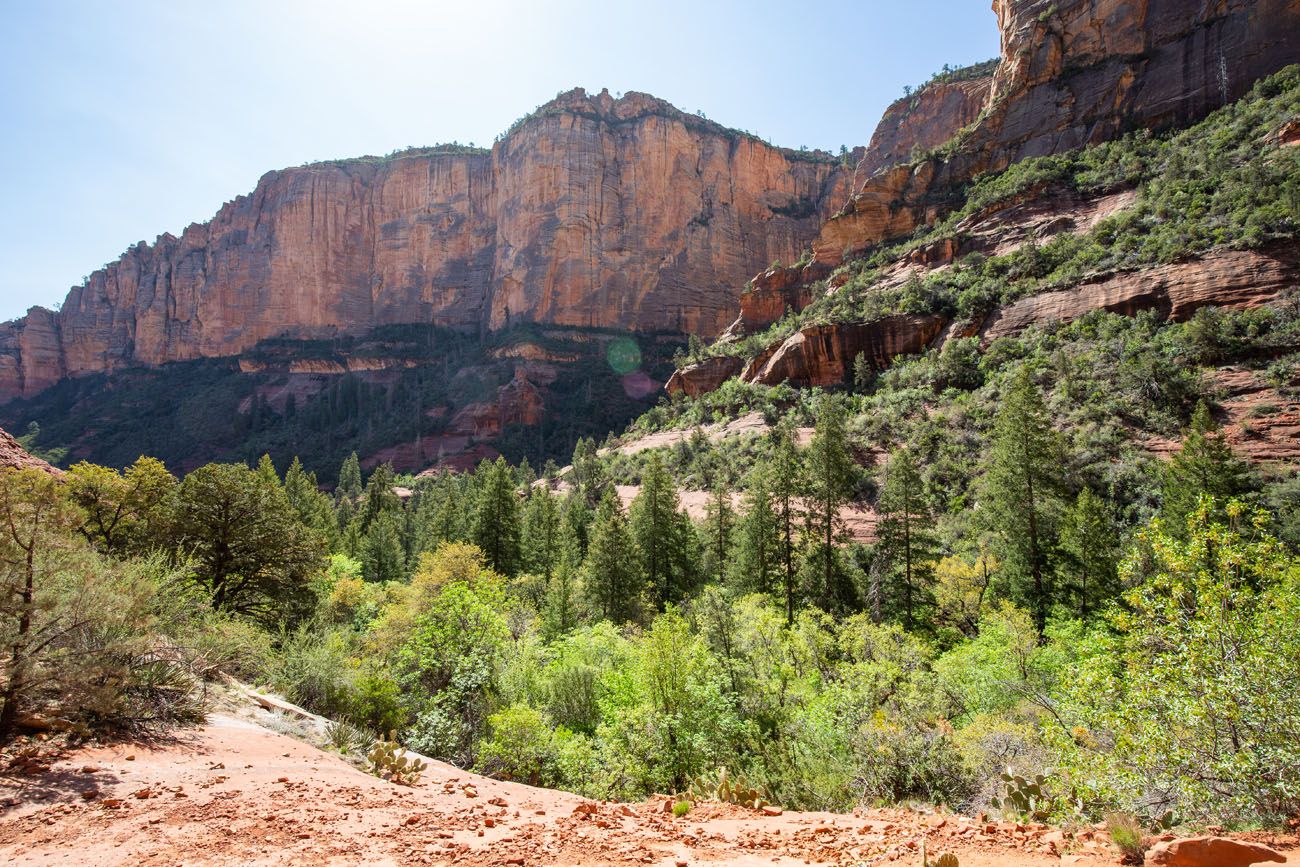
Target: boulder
(1210, 852)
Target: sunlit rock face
(613, 213)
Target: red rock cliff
(1075, 72)
(600, 212)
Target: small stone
(772, 810)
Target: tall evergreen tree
(906, 536)
(383, 557)
(542, 533)
(1023, 494)
(660, 533)
(560, 614)
(785, 476)
(828, 481)
(1206, 465)
(379, 498)
(496, 516)
(756, 555)
(719, 520)
(1090, 540)
(350, 478)
(612, 575)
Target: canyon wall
(600, 212)
(1071, 73)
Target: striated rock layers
(594, 212)
(1077, 72)
(1071, 73)
(1233, 279)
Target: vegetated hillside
(415, 397)
(1071, 401)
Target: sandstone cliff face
(595, 212)
(1234, 279)
(823, 355)
(924, 120)
(1075, 72)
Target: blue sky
(124, 120)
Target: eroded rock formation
(824, 355)
(1234, 279)
(614, 213)
(1074, 73)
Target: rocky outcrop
(824, 355)
(1211, 852)
(924, 120)
(1233, 279)
(595, 212)
(704, 376)
(14, 456)
(1074, 73)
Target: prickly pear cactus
(728, 790)
(1024, 796)
(389, 762)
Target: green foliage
(1128, 837)
(613, 579)
(247, 550)
(1205, 466)
(1023, 488)
(1177, 709)
(496, 527)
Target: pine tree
(1206, 466)
(612, 573)
(1023, 492)
(496, 516)
(906, 535)
(828, 480)
(542, 532)
(658, 530)
(575, 519)
(719, 520)
(383, 557)
(756, 555)
(1091, 541)
(350, 477)
(785, 475)
(267, 473)
(379, 497)
(560, 614)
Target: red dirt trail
(235, 793)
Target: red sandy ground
(233, 792)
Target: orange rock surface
(615, 213)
